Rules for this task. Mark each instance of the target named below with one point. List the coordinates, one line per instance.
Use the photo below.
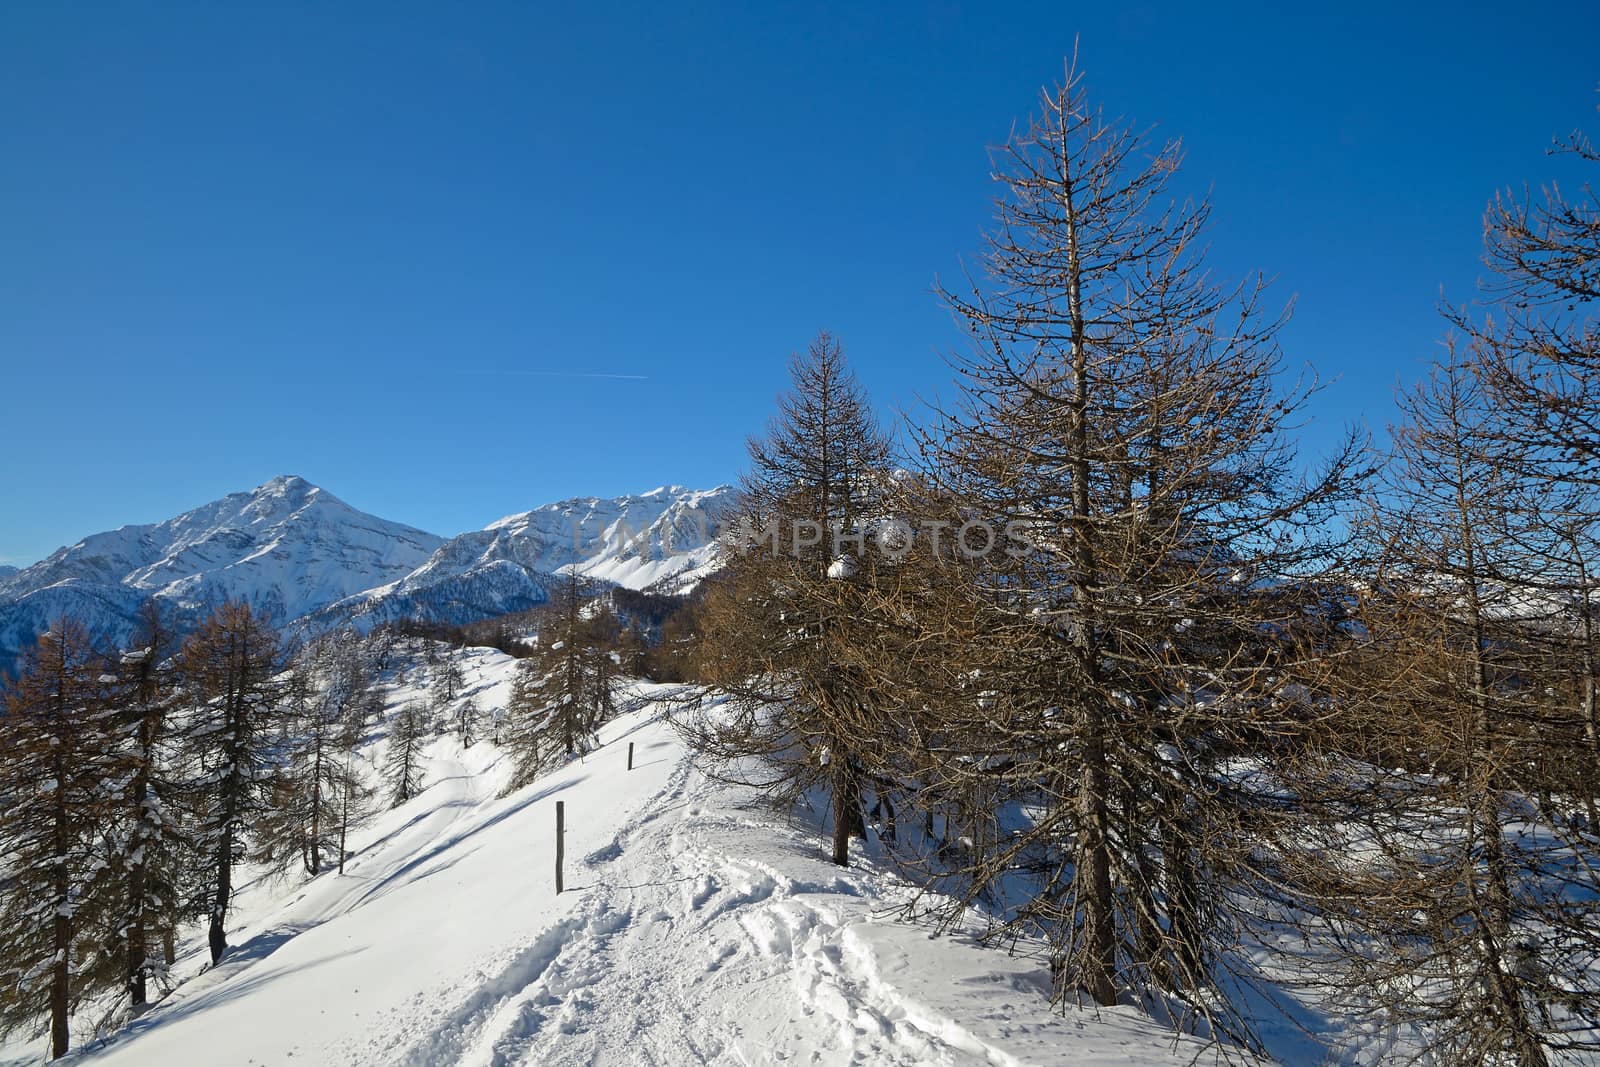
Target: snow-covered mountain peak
(591, 515)
(287, 541)
(678, 491)
(287, 546)
(664, 538)
(308, 558)
(624, 539)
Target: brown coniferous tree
(153, 854)
(1143, 541)
(231, 666)
(402, 769)
(774, 624)
(562, 694)
(56, 787)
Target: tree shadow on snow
(223, 989)
(398, 877)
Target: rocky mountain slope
(663, 538)
(313, 562)
(286, 546)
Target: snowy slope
(697, 927)
(286, 546)
(666, 537)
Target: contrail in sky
(564, 374)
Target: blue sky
(375, 244)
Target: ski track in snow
(696, 928)
(668, 913)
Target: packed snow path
(696, 927)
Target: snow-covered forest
(1086, 720)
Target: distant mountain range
(314, 563)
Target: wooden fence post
(630, 755)
(561, 839)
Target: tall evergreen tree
(1536, 350)
(153, 854)
(563, 693)
(355, 796)
(231, 666)
(300, 826)
(1473, 927)
(331, 698)
(1469, 924)
(447, 678)
(467, 717)
(523, 731)
(1120, 418)
(56, 791)
(773, 624)
(402, 769)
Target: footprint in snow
(604, 854)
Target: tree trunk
(219, 907)
(1591, 724)
(61, 974)
(1493, 915)
(135, 939)
(218, 940)
(344, 819)
(60, 988)
(1188, 935)
(315, 859)
(135, 942)
(846, 811)
(1096, 965)
(1098, 954)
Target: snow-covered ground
(697, 926)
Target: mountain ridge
(663, 538)
(313, 562)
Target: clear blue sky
(364, 243)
